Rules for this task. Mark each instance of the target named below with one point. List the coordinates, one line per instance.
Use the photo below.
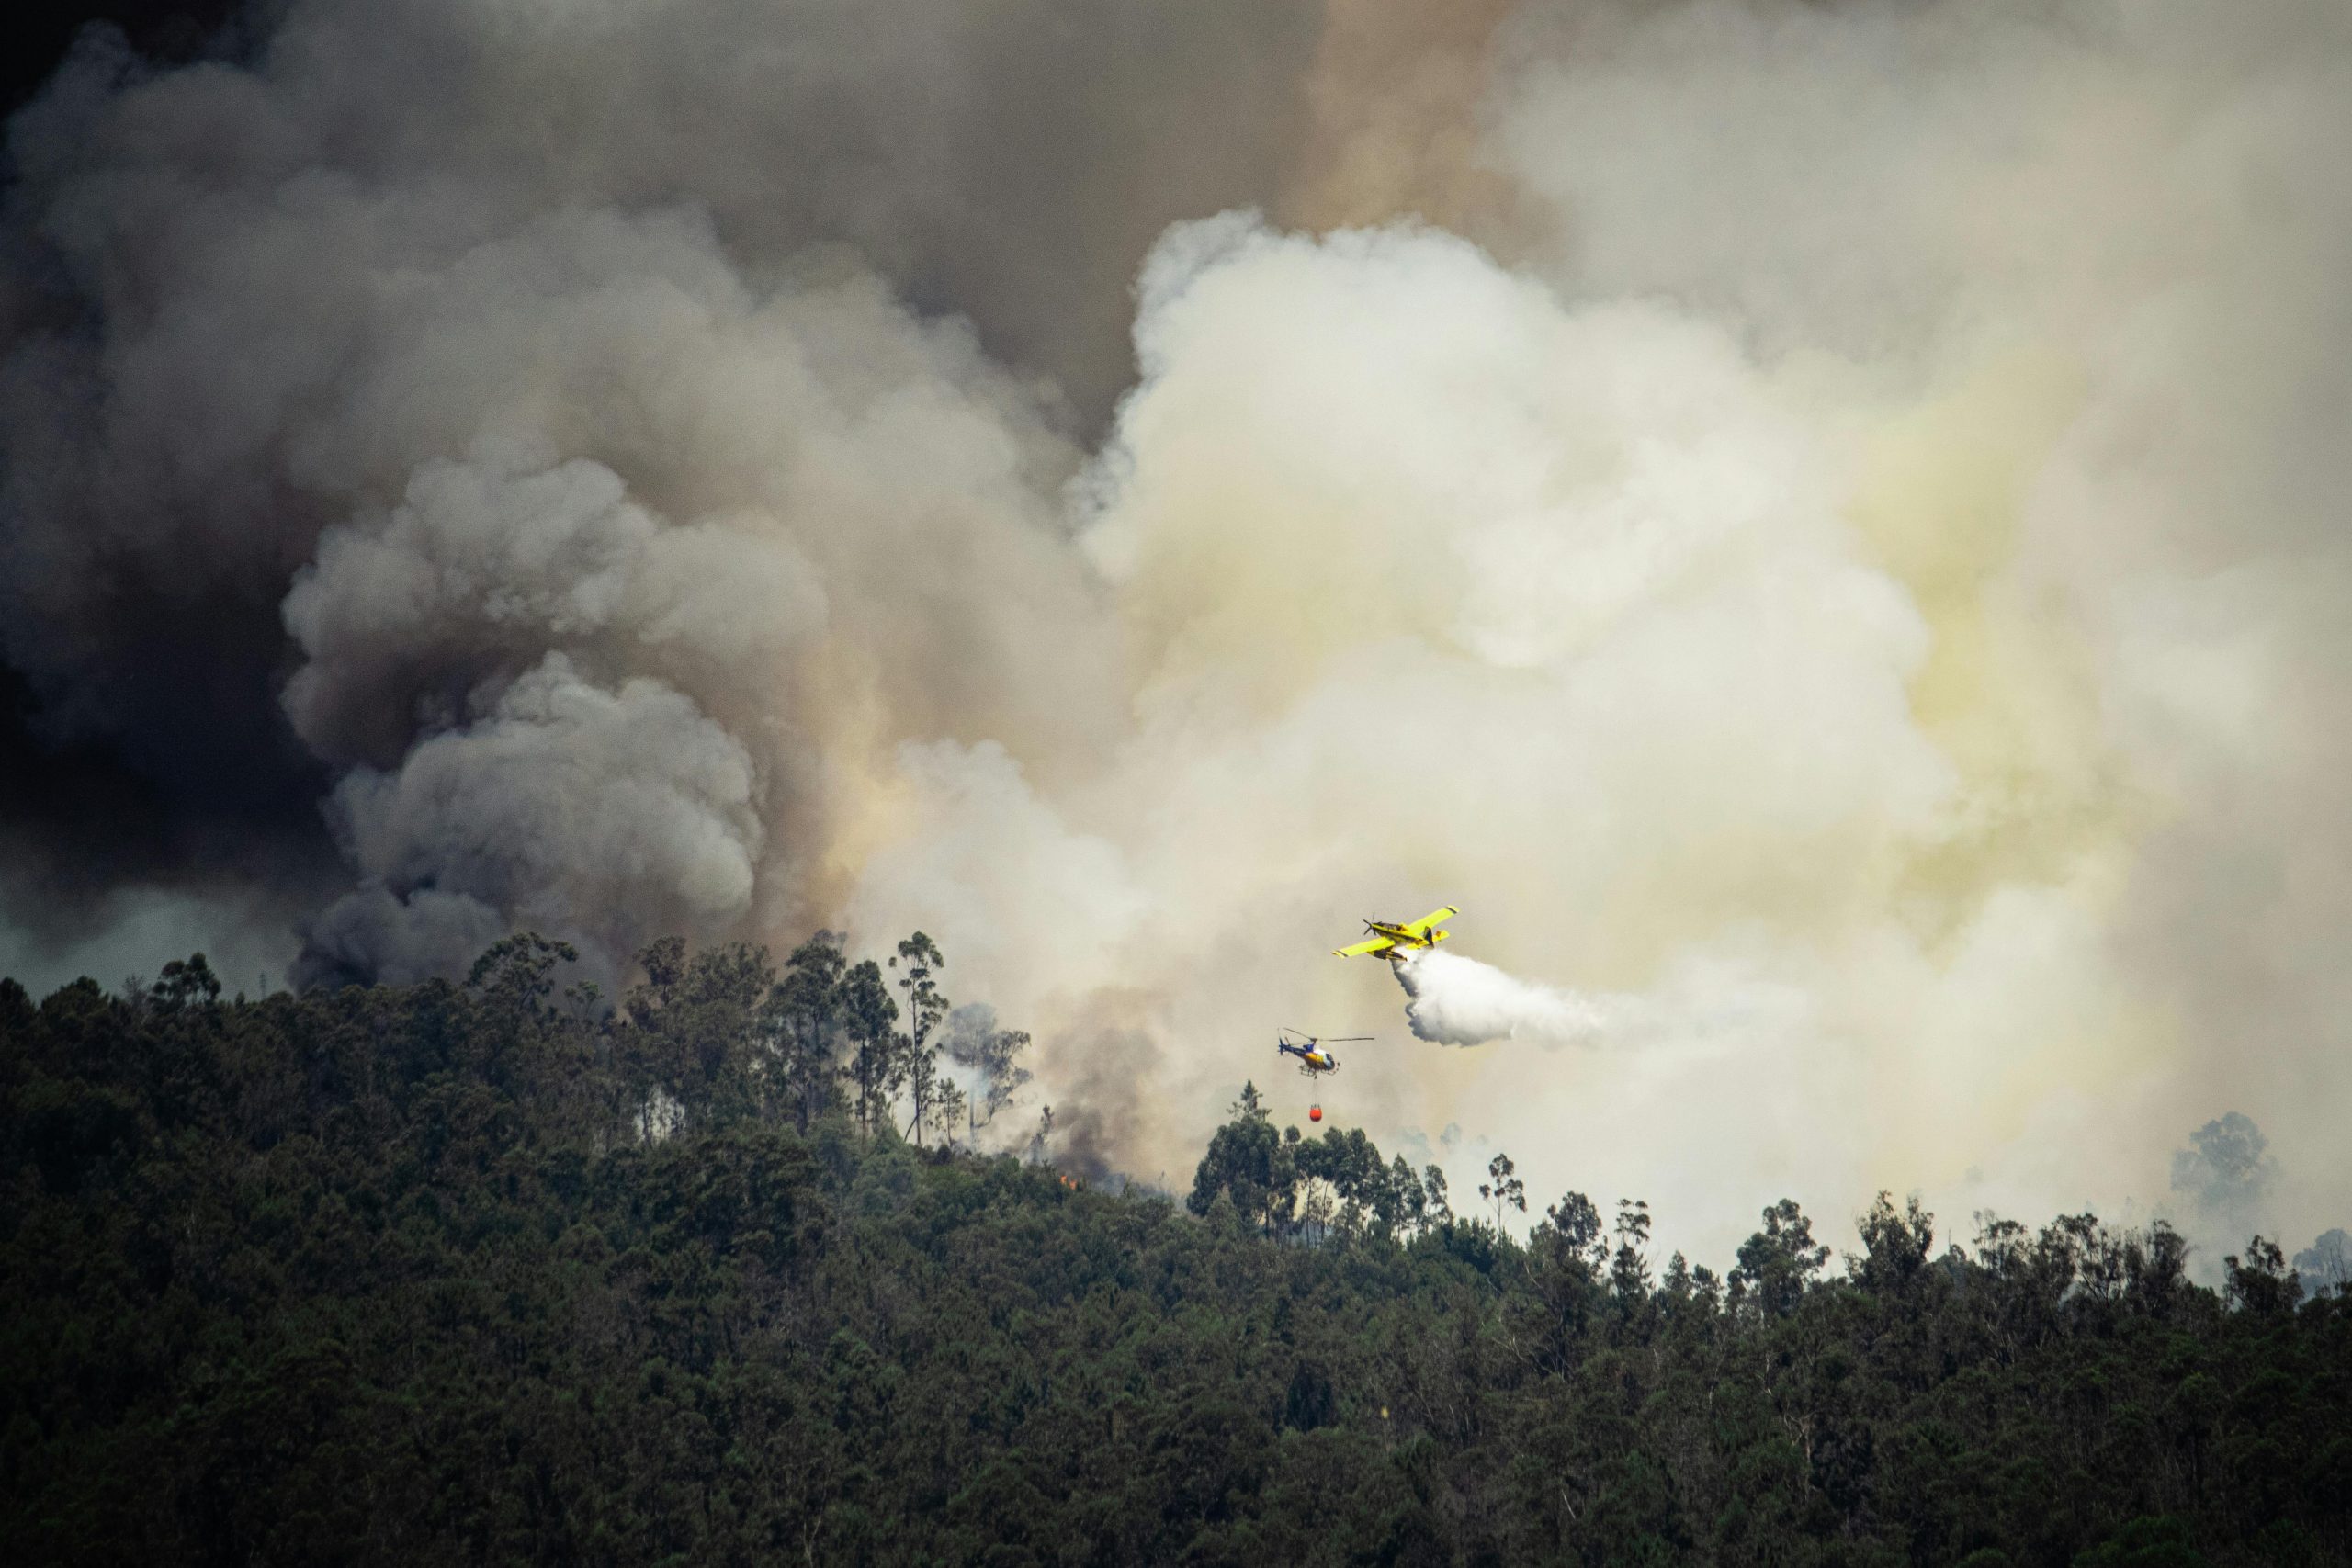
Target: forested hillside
(495, 1272)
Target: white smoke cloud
(1341, 678)
(1848, 559)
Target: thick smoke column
(1873, 595)
(554, 431)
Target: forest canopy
(503, 1270)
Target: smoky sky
(79, 813)
(162, 30)
(1819, 524)
(1005, 167)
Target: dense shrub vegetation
(480, 1272)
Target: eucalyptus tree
(916, 1067)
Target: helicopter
(1313, 1060)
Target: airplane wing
(1420, 926)
(1377, 944)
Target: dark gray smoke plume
(537, 430)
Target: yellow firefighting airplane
(1313, 1060)
(1393, 942)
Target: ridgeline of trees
(489, 1271)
